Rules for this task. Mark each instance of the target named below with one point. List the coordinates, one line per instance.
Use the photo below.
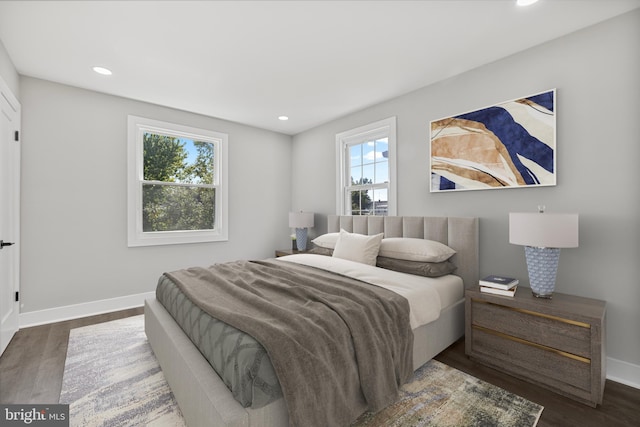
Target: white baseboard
(623, 372)
(68, 312)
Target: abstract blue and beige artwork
(508, 145)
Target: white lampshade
(300, 219)
(543, 230)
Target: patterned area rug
(439, 395)
(112, 378)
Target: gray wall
(596, 74)
(74, 194)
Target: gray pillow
(321, 251)
(428, 269)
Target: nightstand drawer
(549, 365)
(550, 331)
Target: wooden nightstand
(557, 343)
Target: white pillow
(415, 249)
(358, 247)
(326, 240)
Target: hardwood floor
(32, 366)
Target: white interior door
(9, 214)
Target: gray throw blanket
(338, 346)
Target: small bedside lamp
(542, 236)
(300, 221)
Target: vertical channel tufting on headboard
(463, 236)
(459, 233)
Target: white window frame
(137, 126)
(385, 128)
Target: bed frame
(203, 397)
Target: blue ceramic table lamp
(542, 236)
(301, 221)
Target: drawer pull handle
(533, 313)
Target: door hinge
(17, 296)
(17, 136)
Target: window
(366, 169)
(177, 184)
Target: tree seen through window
(178, 191)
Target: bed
(205, 399)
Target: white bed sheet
(427, 296)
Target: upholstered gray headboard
(460, 234)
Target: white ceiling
(252, 61)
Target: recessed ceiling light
(103, 71)
(283, 118)
(525, 2)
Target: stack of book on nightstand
(499, 285)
